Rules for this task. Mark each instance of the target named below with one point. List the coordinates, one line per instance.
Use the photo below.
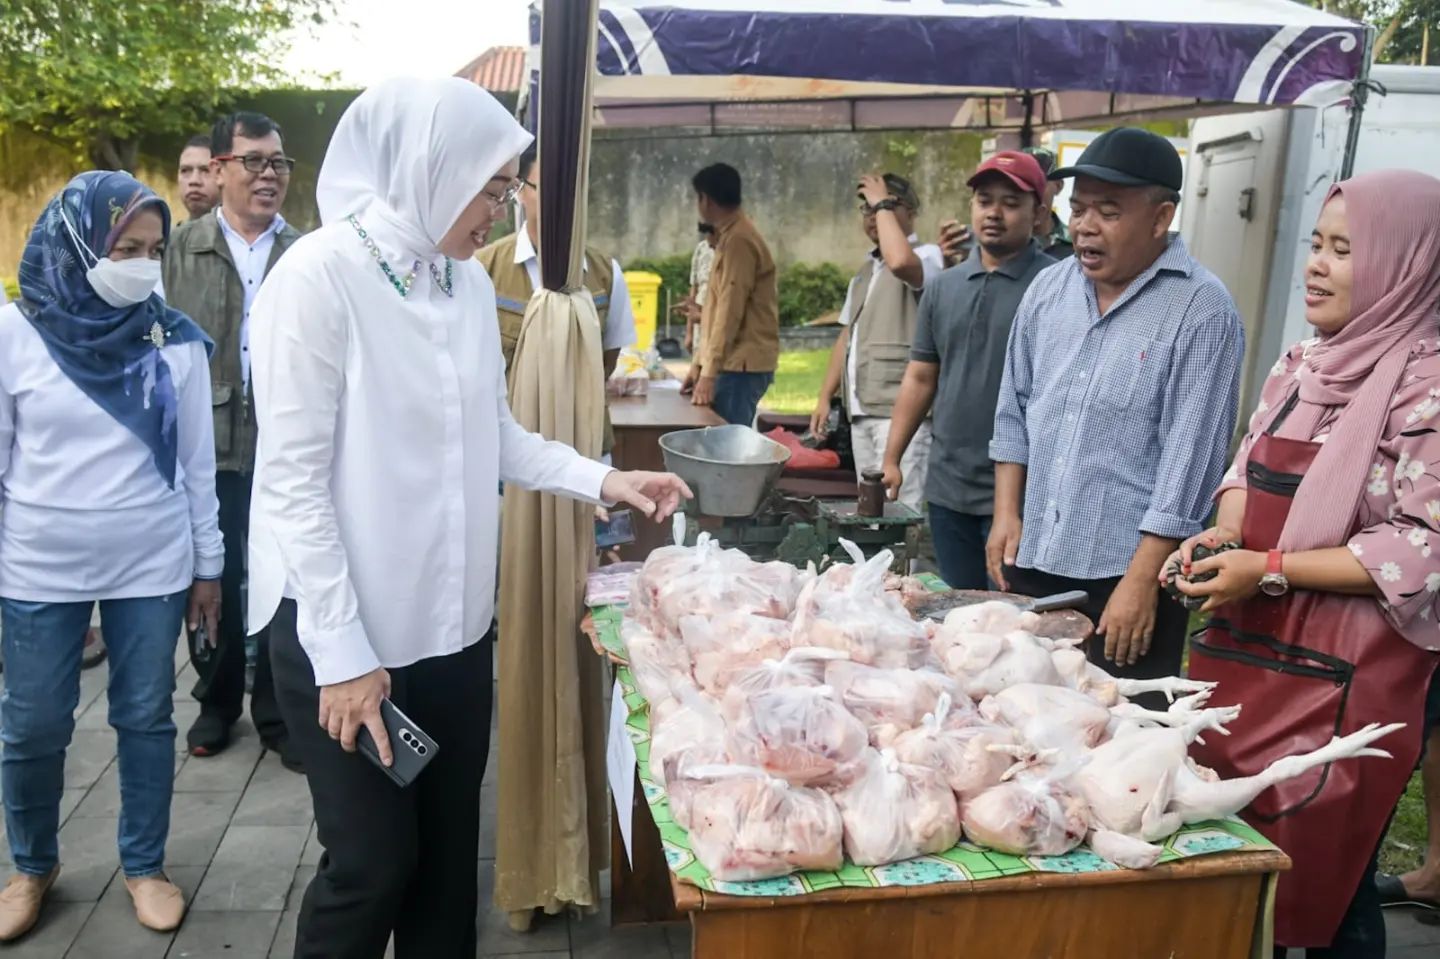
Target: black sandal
(1392, 893)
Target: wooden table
(639, 423)
(1211, 907)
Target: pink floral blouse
(1399, 537)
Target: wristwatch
(1274, 583)
(889, 203)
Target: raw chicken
(746, 825)
(1081, 675)
(710, 581)
(723, 646)
(801, 666)
(995, 617)
(800, 733)
(958, 745)
(847, 609)
(1055, 722)
(895, 811)
(659, 666)
(684, 738)
(984, 663)
(1032, 815)
(887, 701)
(1142, 786)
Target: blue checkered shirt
(1123, 422)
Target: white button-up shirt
(86, 514)
(620, 321)
(384, 435)
(250, 260)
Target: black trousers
(395, 860)
(220, 686)
(1167, 648)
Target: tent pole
(1359, 94)
(1027, 129)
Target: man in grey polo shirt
(1115, 416)
(957, 359)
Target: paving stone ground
(243, 847)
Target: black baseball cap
(1129, 156)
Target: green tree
(97, 75)
(1406, 29)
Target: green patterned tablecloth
(964, 862)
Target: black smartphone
(410, 748)
(617, 532)
(200, 643)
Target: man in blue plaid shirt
(1116, 407)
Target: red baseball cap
(1021, 169)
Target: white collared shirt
(86, 514)
(932, 262)
(619, 322)
(384, 435)
(250, 260)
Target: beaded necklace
(402, 286)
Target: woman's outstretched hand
(657, 495)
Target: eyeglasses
(257, 163)
(511, 192)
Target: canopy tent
(735, 65)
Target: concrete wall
(799, 188)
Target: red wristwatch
(1274, 583)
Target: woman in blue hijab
(107, 494)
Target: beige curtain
(552, 836)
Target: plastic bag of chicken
(957, 743)
(800, 666)
(710, 581)
(659, 666)
(848, 609)
(746, 825)
(887, 701)
(1035, 814)
(801, 734)
(894, 811)
(724, 646)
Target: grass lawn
(797, 381)
(1405, 843)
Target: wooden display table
(1217, 906)
(639, 423)
(1210, 907)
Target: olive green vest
(882, 327)
(513, 292)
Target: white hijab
(414, 153)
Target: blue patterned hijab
(110, 353)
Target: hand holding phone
(411, 748)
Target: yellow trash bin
(645, 301)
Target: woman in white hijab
(384, 437)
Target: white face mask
(124, 283)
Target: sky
(412, 38)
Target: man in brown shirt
(740, 327)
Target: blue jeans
(42, 644)
(960, 547)
(737, 395)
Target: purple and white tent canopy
(870, 64)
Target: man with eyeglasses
(213, 269)
(514, 266)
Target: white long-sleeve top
(85, 515)
(384, 435)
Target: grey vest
(882, 327)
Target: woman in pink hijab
(1327, 615)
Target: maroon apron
(1309, 666)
